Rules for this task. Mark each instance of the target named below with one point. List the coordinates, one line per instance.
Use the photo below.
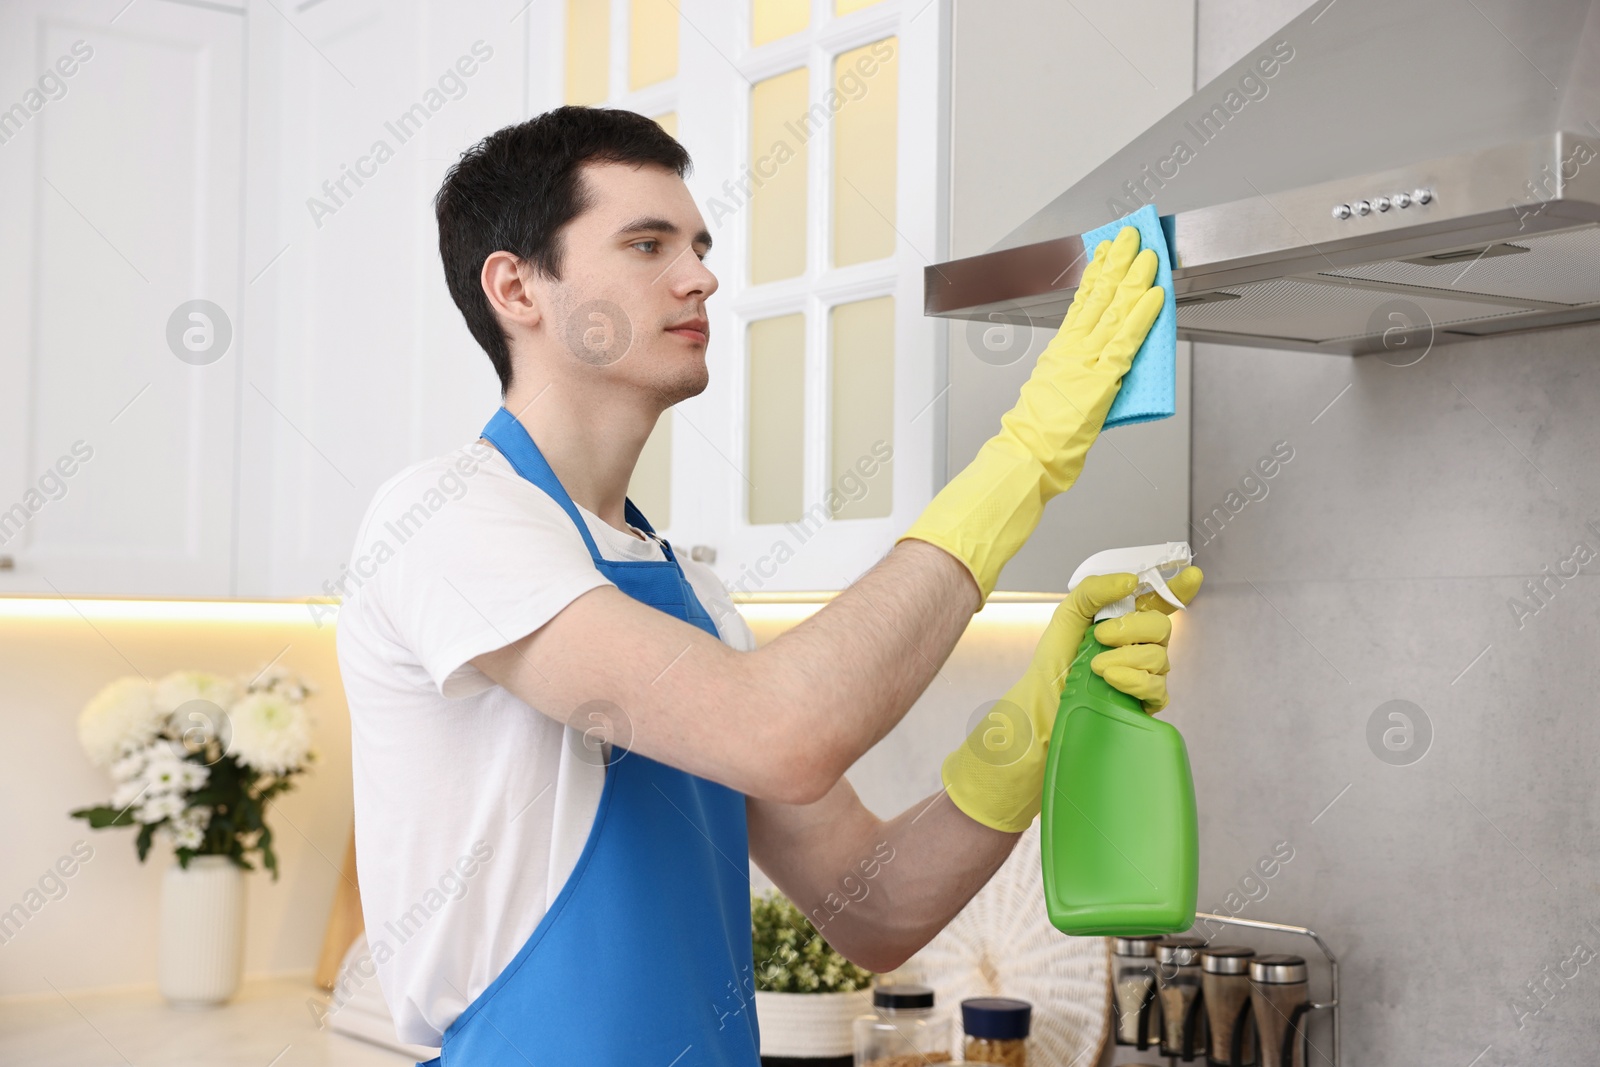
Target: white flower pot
(810, 1024)
(202, 932)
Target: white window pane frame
(711, 96)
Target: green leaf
(239, 798)
(101, 817)
(269, 858)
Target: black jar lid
(996, 1018)
(902, 997)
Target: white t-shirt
(471, 807)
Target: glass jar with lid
(1178, 986)
(1225, 984)
(1279, 1001)
(1133, 977)
(905, 1029)
(996, 1030)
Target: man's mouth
(695, 331)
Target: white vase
(810, 1024)
(202, 932)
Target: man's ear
(506, 282)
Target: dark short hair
(514, 190)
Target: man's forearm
(854, 668)
(920, 869)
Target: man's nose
(689, 275)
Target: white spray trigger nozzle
(1147, 563)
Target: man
(557, 904)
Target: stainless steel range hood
(1376, 171)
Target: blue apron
(644, 957)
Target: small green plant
(791, 956)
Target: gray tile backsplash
(1381, 563)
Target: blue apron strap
(635, 517)
(511, 438)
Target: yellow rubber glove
(986, 512)
(997, 775)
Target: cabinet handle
(8, 563)
(703, 553)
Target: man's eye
(647, 241)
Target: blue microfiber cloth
(1150, 388)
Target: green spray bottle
(1119, 835)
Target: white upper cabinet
(227, 322)
(814, 129)
(228, 289)
(360, 363)
(231, 321)
(120, 284)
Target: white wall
(102, 931)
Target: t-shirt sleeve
(478, 561)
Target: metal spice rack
(1331, 1006)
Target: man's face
(632, 297)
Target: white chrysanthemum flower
(163, 765)
(188, 826)
(180, 687)
(127, 792)
(169, 772)
(201, 728)
(129, 767)
(270, 733)
(161, 807)
(120, 717)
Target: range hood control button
(1341, 211)
(1362, 207)
(1423, 195)
(1382, 203)
(1401, 199)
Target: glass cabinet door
(821, 193)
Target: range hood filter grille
(1561, 268)
(1318, 312)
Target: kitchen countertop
(269, 1023)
